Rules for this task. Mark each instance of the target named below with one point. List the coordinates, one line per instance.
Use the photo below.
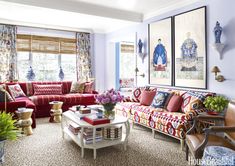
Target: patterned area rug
(47, 148)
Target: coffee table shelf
(69, 116)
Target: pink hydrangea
(109, 97)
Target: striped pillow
(47, 89)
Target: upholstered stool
(56, 111)
(218, 155)
(25, 120)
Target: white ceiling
(99, 16)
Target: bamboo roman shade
(45, 44)
(127, 48)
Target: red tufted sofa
(40, 103)
(174, 124)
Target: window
(126, 65)
(46, 55)
(46, 66)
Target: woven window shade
(55, 45)
(67, 46)
(127, 48)
(23, 42)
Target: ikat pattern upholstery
(192, 101)
(137, 94)
(47, 89)
(16, 91)
(174, 124)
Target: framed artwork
(160, 52)
(190, 49)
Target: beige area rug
(47, 148)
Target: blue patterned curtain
(8, 53)
(83, 56)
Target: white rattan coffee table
(70, 116)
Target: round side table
(56, 111)
(25, 120)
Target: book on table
(94, 120)
(88, 135)
(74, 128)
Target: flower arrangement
(109, 99)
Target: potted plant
(215, 104)
(8, 131)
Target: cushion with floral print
(16, 91)
(77, 87)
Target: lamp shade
(215, 69)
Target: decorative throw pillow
(16, 91)
(174, 103)
(77, 87)
(147, 97)
(47, 89)
(160, 99)
(88, 87)
(192, 101)
(136, 94)
(5, 96)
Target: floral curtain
(83, 56)
(8, 53)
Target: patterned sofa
(40, 103)
(174, 124)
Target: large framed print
(190, 49)
(160, 52)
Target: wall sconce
(216, 70)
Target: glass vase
(109, 111)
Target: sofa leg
(153, 133)
(133, 123)
(186, 152)
(182, 142)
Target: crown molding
(84, 8)
(55, 27)
(171, 7)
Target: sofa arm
(12, 106)
(193, 113)
(95, 92)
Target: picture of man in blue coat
(160, 57)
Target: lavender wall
(217, 10)
(98, 60)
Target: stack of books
(88, 135)
(112, 132)
(94, 120)
(74, 128)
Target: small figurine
(217, 31)
(30, 74)
(140, 44)
(61, 74)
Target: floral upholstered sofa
(172, 119)
(39, 101)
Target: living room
(138, 51)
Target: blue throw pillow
(160, 99)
